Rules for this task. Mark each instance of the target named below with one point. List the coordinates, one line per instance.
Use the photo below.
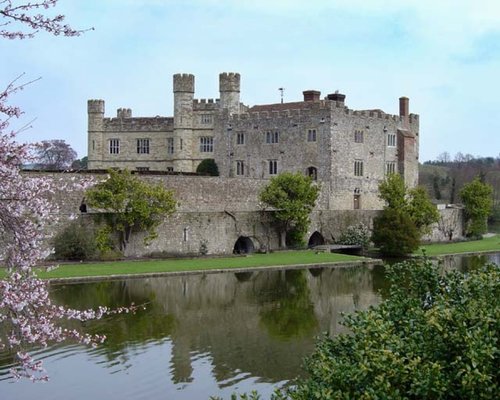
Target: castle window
(206, 118)
(391, 140)
(142, 146)
(206, 144)
(114, 146)
(240, 138)
(390, 167)
(170, 145)
(142, 169)
(358, 136)
(311, 135)
(240, 168)
(358, 168)
(273, 167)
(170, 169)
(357, 201)
(93, 144)
(272, 137)
(180, 144)
(313, 173)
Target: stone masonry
(348, 152)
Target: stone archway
(316, 239)
(244, 245)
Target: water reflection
(201, 335)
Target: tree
(130, 204)
(292, 198)
(407, 215)
(54, 154)
(80, 164)
(394, 233)
(27, 314)
(208, 167)
(433, 337)
(477, 197)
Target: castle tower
(183, 122)
(95, 112)
(229, 87)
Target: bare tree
(54, 154)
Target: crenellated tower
(183, 122)
(95, 112)
(229, 87)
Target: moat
(203, 335)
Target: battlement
(95, 106)
(229, 82)
(184, 83)
(124, 113)
(139, 124)
(205, 104)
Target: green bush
(394, 233)
(75, 242)
(208, 167)
(434, 337)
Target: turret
(183, 122)
(95, 112)
(229, 87)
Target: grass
(195, 264)
(473, 246)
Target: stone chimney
(337, 97)
(311, 95)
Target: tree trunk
(283, 239)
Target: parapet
(205, 104)
(184, 83)
(95, 106)
(229, 82)
(124, 113)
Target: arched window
(313, 173)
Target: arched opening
(316, 239)
(313, 173)
(243, 245)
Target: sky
(442, 54)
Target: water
(201, 335)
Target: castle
(348, 151)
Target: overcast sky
(443, 55)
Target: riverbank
(114, 269)
(488, 244)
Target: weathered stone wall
(214, 212)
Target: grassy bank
(196, 264)
(437, 249)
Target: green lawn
(487, 244)
(195, 264)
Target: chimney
(404, 107)
(311, 95)
(338, 97)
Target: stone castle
(348, 151)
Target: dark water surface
(202, 335)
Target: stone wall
(213, 213)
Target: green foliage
(130, 205)
(252, 396)
(358, 234)
(75, 242)
(478, 202)
(434, 337)
(395, 233)
(407, 216)
(208, 167)
(292, 196)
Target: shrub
(208, 167)
(358, 235)
(75, 242)
(394, 233)
(434, 337)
